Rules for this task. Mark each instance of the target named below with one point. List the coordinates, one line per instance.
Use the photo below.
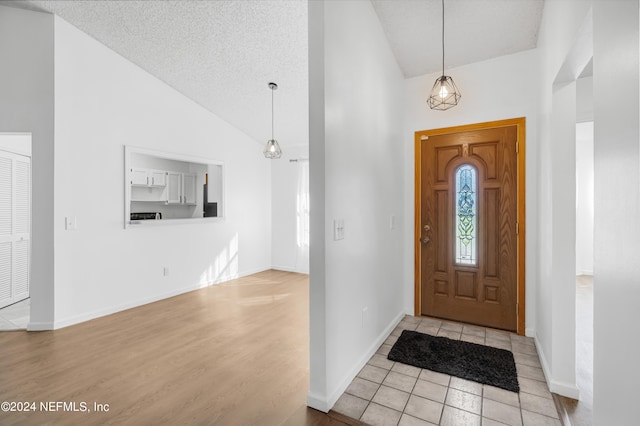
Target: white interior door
(15, 227)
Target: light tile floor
(16, 316)
(395, 394)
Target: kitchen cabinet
(174, 188)
(181, 188)
(157, 178)
(189, 188)
(139, 177)
(149, 178)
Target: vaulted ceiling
(475, 30)
(223, 53)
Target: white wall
(584, 176)
(564, 51)
(616, 161)
(584, 198)
(356, 175)
(26, 105)
(491, 90)
(584, 99)
(102, 103)
(617, 207)
(558, 240)
(288, 250)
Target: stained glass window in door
(466, 217)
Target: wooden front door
(467, 226)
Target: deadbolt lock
(427, 228)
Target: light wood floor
(232, 354)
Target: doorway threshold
(15, 317)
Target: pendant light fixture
(444, 94)
(272, 150)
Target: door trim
(521, 234)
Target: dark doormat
(482, 364)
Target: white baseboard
(235, 276)
(289, 269)
(561, 388)
(542, 358)
(317, 402)
(77, 319)
(40, 326)
(565, 389)
(333, 397)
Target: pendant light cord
(443, 38)
(272, 113)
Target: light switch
(338, 229)
(392, 222)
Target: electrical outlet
(338, 229)
(165, 271)
(70, 223)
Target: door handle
(426, 239)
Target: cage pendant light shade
(444, 94)
(272, 149)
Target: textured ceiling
(475, 30)
(219, 53)
(223, 53)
